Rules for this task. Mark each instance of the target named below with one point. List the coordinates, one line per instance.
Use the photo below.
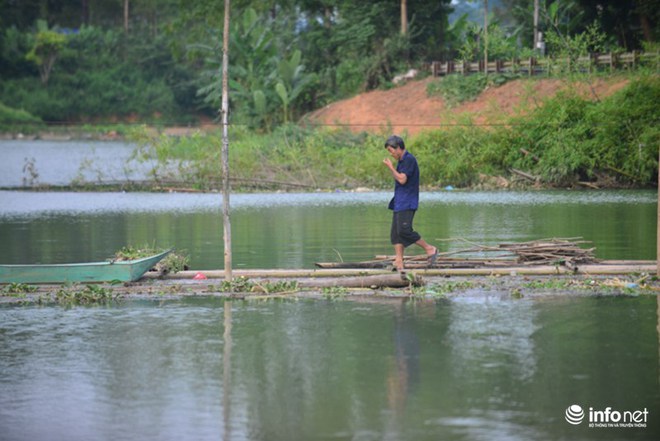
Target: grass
(457, 89)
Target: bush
(578, 139)
(456, 89)
(36, 98)
(626, 134)
(458, 155)
(17, 119)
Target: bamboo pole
(225, 146)
(364, 281)
(602, 268)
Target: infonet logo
(574, 414)
(607, 418)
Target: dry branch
(555, 251)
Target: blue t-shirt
(406, 196)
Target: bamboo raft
(544, 257)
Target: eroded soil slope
(407, 108)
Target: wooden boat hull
(123, 271)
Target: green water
(480, 366)
(477, 367)
(296, 230)
(473, 368)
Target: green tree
(627, 23)
(46, 46)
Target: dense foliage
(148, 60)
(570, 138)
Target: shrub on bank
(18, 119)
(569, 138)
(291, 157)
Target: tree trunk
(404, 17)
(85, 12)
(225, 146)
(646, 28)
(126, 16)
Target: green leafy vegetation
(440, 290)
(456, 89)
(90, 294)
(172, 263)
(18, 289)
(292, 157)
(571, 138)
(18, 119)
(237, 284)
(244, 285)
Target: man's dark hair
(395, 142)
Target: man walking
(405, 202)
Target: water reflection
(207, 369)
(403, 368)
(490, 341)
(226, 372)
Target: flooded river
(481, 366)
(284, 230)
(288, 230)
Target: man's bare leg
(398, 258)
(430, 249)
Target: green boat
(109, 271)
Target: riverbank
(633, 279)
(566, 140)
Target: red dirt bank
(408, 108)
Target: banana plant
(291, 81)
(252, 51)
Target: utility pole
(404, 17)
(536, 26)
(486, 37)
(225, 145)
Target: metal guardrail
(534, 66)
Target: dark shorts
(402, 228)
